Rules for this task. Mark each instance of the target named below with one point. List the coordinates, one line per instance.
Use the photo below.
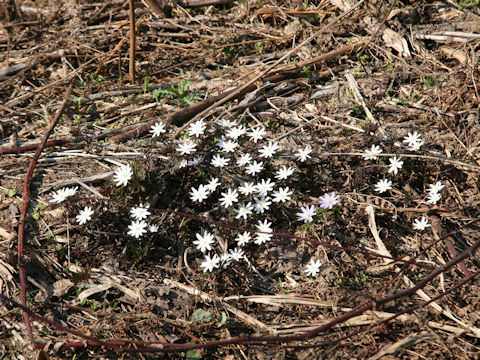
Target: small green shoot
(146, 81)
(428, 81)
(358, 112)
(390, 68)
(469, 3)
(193, 354)
(306, 72)
(95, 305)
(76, 119)
(179, 94)
(36, 214)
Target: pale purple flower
(196, 160)
(328, 201)
(307, 214)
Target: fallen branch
(22, 149)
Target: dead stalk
(131, 14)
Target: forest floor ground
(339, 78)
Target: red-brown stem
(131, 14)
(23, 215)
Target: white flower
(437, 187)
(197, 128)
(137, 228)
(59, 196)
(282, 195)
(395, 164)
(263, 187)
(243, 211)
(84, 215)
(226, 123)
(413, 141)
(372, 153)
(153, 228)
(262, 238)
(229, 198)
(62, 194)
(243, 239)
(284, 173)
(416, 146)
(226, 259)
(254, 167)
(122, 175)
(236, 254)
(229, 146)
(304, 154)
(219, 161)
(383, 185)
(244, 159)
(186, 147)
(139, 212)
(71, 191)
(421, 224)
(247, 188)
(267, 151)
(257, 133)
(313, 268)
(210, 263)
(183, 164)
(157, 129)
(204, 241)
(262, 204)
(433, 197)
(236, 132)
(220, 141)
(264, 228)
(213, 184)
(199, 194)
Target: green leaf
(12, 192)
(36, 215)
(200, 315)
(193, 355)
(183, 87)
(223, 319)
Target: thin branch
(23, 215)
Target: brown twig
(23, 215)
(131, 15)
(199, 3)
(22, 149)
